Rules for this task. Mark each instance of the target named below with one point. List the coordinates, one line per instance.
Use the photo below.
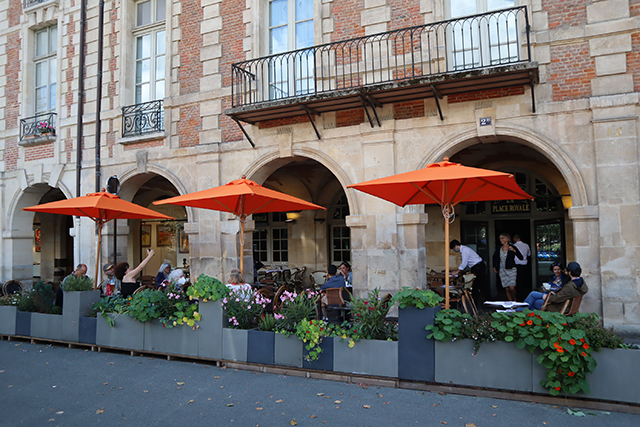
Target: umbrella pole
(242, 219)
(446, 263)
(95, 280)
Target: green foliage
(12, 299)
(311, 332)
(27, 303)
(369, 318)
(147, 305)
(419, 298)
(295, 307)
(598, 336)
(267, 323)
(56, 309)
(43, 296)
(111, 305)
(207, 288)
(243, 308)
(564, 350)
(77, 284)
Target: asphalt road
(44, 385)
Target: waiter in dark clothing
(472, 261)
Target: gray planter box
(325, 359)
(127, 333)
(87, 330)
(23, 323)
(499, 365)
(210, 330)
(234, 344)
(74, 306)
(416, 352)
(261, 347)
(369, 357)
(8, 319)
(287, 351)
(180, 340)
(47, 326)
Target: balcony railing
(140, 119)
(474, 42)
(29, 3)
(38, 125)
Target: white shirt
(524, 250)
(469, 257)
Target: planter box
(261, 347)
(415, 352)
(8, 319)
(234, 344)
(370, 357)
(210, 330)
(74, 306)
(325, 359)
(48, 326)
(87, 330)
(127, 333)
(23, 323)
(288, 351)
(177, 340)
(499, 365)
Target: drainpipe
(80, 126)
(99, 92)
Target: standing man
(523, 279)
(473, 261)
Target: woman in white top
(236, 281)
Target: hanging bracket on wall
(370, 102)
(309, 112)
(243, 131)
(437, 97)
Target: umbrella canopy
(446, 184)
(241, 197)
(101, 207)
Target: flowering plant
(368, 318)
(243, 308)
(207, 288)
(45, 127)
(294, 308)
(565, 349)
(419, 298)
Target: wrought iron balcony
(140, 119)
(479, 52)
(29, 3)
(38, 125)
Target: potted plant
(242, 309)
(209, 291)
(293, 308)
(46, 321)
(44, 128)
(8, 313)
(261, 341)
(416, 309)
(372, 346)
(118, 330)
(79, 297)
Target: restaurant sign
(510, 206)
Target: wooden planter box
(8, 319)
(416, 352)
(87, 330)
(47, 326)
(261, 347)
(210, 330)
(325, 359)
(177, 340)
(499, 365)
(369, 357)
(23, 323)
(234, 344)
(287, 351)
(127, 333)
(74, 306)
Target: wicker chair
(333, 300)
(12, 287)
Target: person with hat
(574, 288)
(110, 286)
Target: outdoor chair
(148, 281)
(317, 278)
(276, 298)
(334, 302)
(12, 287)
(570, 307)
(140, 289)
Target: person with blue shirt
(334, 280)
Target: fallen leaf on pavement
(221, 386)
(314, 416)
(191, 401)
(319, 394)
(494, 406)
(380, 396)
(180, 383)
(105, 383)
(435, 404)
(443, 422)
(208, 398)
(259, 409)
(442, 393)
(366, 406)
(100, 411)
(293, 423)
(229, 405)
(470, 425)
(545, 423)
(10, 386)
(386, 403)
(59, 412)
(111, 363)
(279, 401)
(338, 401)
(145, 391)
(217, 378)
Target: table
(508, 306)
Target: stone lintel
(584, 213)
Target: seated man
(575, 288)
(333, 279)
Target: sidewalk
(44, 385)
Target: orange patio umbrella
(101, 207)
(241, 197)
(446, 184)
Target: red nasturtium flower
(522, 324)
(531, 314)
(560, 350)
(571, 373)
(581, 339)
(558, 388)
(529, 322)
(559, 371)
(556, 345)
(572, 341)
(584, 354)
(585, 345)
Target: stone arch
(264, 166)
(521, 135)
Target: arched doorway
(42, 247)
(166, 238)
(543, 223)
(308, 238)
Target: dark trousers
(481, 284)
(523, 281)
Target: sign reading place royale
(510, 206)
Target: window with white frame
(271, 238)
(290, 28)
(150, 50)
(340, 232)
(482, 42)
(46, 69)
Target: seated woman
(236, 281)
(558, 279)
(345, 270)
(163, 274)
(127, 276)
(574, 288)
(176, 279)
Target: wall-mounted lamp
(292, 217)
